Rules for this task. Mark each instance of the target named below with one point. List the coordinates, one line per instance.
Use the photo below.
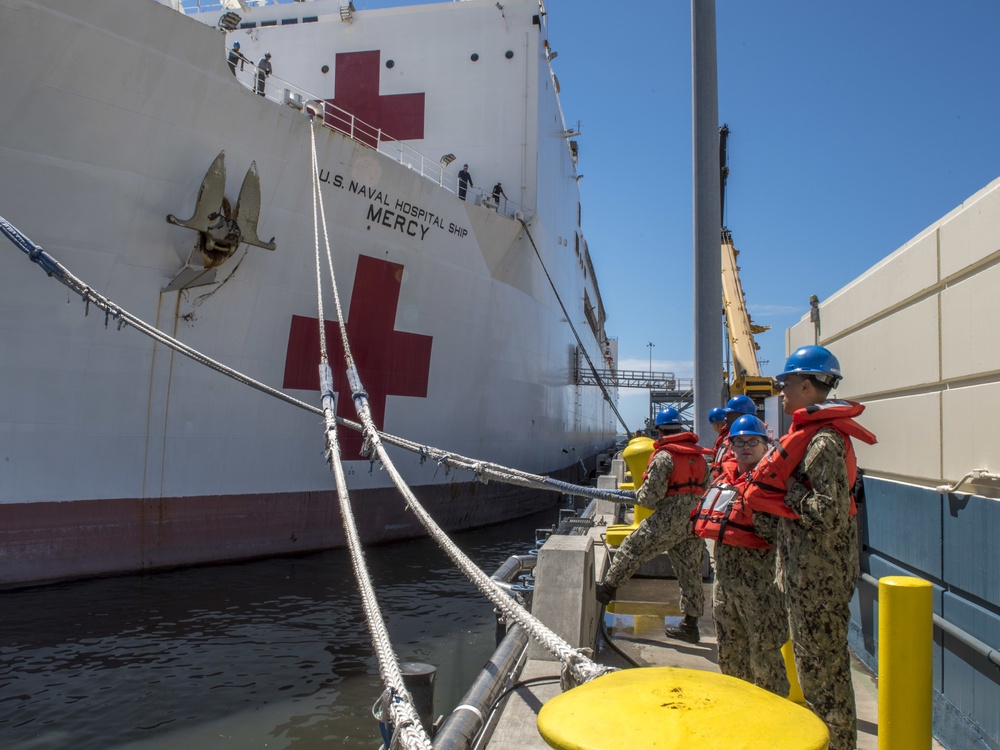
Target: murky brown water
(270, 654)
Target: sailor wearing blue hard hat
(735, 408)
(669, 420)
(264, 70)
(806, 484)
(717, 418)
(672, 486)
(738, 406)
(810, 373)
(235, 56)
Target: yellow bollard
(636, 455)
(670, 708)
(794, 689)
(905, 638)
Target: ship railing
(192, 7)
(285, 92)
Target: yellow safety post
(677, 709)
(794, 689)
(905, 638)
(636, 455)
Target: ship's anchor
(220, 229)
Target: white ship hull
(117, 454)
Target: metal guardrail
(283, 91)
(645, 379)
(983, 649)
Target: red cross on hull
(390, 362)
(395, 116)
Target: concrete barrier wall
(918, 339)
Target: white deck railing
(285, 92)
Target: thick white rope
(578, 667)
(405, 719)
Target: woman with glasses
(750, 620)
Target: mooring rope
(579, 341)
(578, 667)
(399, 703)
(122, 317)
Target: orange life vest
(724, 516)
(721, 452)
(690, 468)
(766, 489)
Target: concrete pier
(635, 623)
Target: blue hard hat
(741, 405)
(748, 424)
(718, 414)
(236, 44)
(813, 360)
(668, 416)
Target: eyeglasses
(748, 443)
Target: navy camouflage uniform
(751, 624)
(817, 569)
(667, 529)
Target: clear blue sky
(855, 125)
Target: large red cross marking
(390, 362)
(399, 116)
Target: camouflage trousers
(818, 621)
(751, 623)
(669, 530)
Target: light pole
(650, 345)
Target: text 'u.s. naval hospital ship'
(469, 315)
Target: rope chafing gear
(579, 341)
(54, 269)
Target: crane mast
(745, 378)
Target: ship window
(288, 21)
(310, 19)
(248, 25)
(268, 23)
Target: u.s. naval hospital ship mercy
(116, 454)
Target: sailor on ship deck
(263, 71)
(464, 181)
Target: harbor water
(266, 654)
